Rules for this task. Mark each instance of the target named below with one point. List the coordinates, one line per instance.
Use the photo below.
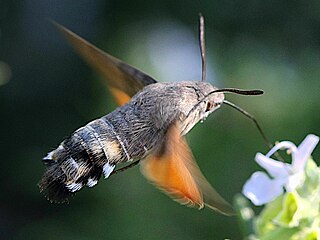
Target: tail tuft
(67, 173)
(52, 185)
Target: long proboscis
(241, 92)
(244, 92)
(244, 112)
(266, 140)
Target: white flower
(261, 189)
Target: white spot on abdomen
(91, 182)
(73, 187)
(107, 169)
(49, 156)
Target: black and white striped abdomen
(81, 159)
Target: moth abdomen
(80, 161)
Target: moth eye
(209, 106)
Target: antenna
(225, 90)
(237, 91)
(202, 47)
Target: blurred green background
(47, 91)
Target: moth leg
(126, 167)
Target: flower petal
(304, 151)
(280, 146)
(294, 181)
(275, 168)
(260, 189)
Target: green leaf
(264, 222)
(307, 234)
(288, 216)
(245, 215)
(280, 234)
(311, 186)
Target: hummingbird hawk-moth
(148, 127)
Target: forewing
(123, 80)
(173, 170)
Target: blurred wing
(174, 171)
(123, 80)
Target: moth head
(208, 101)
(197, 103)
